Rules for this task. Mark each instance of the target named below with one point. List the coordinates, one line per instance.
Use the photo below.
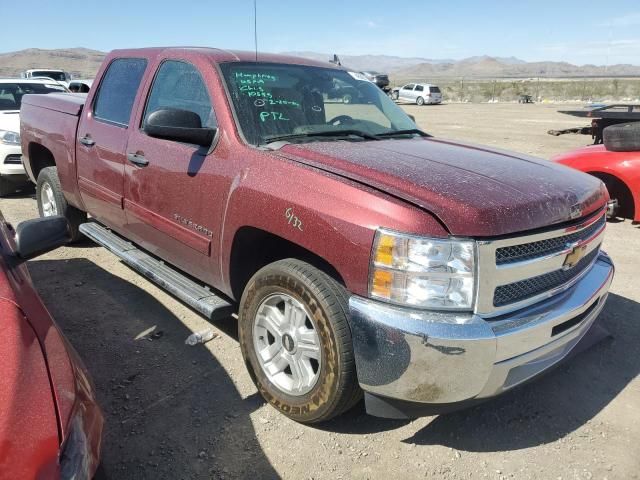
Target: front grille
(528, 251)
(524, 289)
(13, 159)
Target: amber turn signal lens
(384, 250)
(381, 284)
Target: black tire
(75, 217)
(6, 187)
(420, 101)
(624, 137)
(619, 191)
(336, 389)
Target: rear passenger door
(418, 91)
(169, 206)
(102, 138)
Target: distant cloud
(369, 23)
(628, 20)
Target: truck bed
(69, 103)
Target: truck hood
(10, 120)
(473, 190)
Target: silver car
(418, 93)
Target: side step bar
(193, 294)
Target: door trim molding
(174, 230)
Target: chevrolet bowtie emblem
(574, 257)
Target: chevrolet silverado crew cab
(360, 253)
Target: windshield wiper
(325, 133)
(404, 132)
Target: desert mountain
(82, 62)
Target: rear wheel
(296, 341)
(420, 101)
(51, 201)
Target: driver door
(406, 92)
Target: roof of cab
(217, 55)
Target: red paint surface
(597, 159)
(341, 191)
(42, 381)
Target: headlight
(423, 272)
(9, 138)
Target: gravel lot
(174, 411)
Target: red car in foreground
(50, 423)
(617, 164)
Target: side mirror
(41, 235)
(179, 125)
(413, 119)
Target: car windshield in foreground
(289, 102)
(11, 93)
(57, 76)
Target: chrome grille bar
(516, 272)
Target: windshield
(276, 100)
(57, 76)
(11, 93)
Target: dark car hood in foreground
(473, 190)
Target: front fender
(330, 216)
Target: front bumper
(413, 362)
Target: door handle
(86, 140)
(137, 159)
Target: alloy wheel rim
(49, 207)
(287, 344)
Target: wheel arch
(38, 157)
(630, 210)
(246, 259)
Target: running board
(193, 294)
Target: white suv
(12, 173)
(418, 93)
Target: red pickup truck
(361, 253)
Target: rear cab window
(434, 89)
(118, 89)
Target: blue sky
(566, 30)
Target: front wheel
(296, 341)
(51, 201)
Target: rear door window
(419, 88)
(118, 90)
(179, 85)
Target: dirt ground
(179, 412)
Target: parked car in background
(50, 423)
(360, 253)
(12, 174)
(59, 76)
(380, 79)
(617, 163)
(80, 85)
(418, 93)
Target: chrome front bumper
(444, 359)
